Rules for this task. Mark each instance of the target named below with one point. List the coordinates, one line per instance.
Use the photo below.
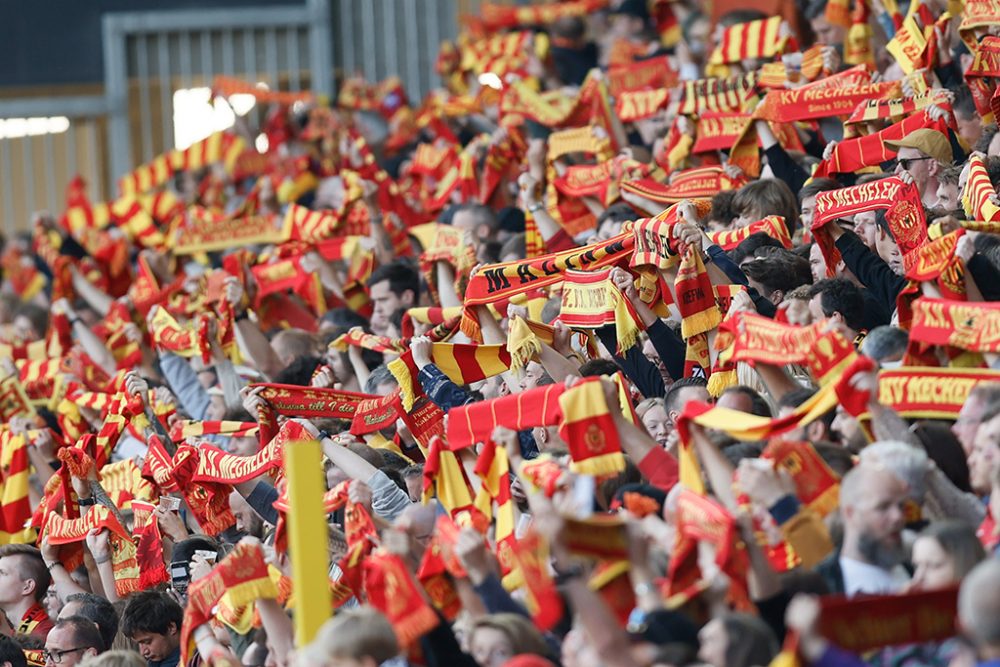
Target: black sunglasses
(906, 161)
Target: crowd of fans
(659, 335)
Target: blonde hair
(114, 659)
(352, 633)
(648, 404)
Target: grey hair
(907, 462)
(885, 342)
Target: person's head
(381, 382)
(979, 607)
(116, 658)
(758, 199)
(11, 654)
(652, 412)
(479, 220)
(611, 219)
(247, 520)
(97, 609)
(413, 476)
(923, 154)
(943, 447)
(299, 371)
(23, 575)
(971, 415)
(153, 621)
(291, 344)
(391, 287)
(948, 196)
(499, 637)
(814, 431)
(681, 393)
(777, 273)
(748, 247)
(817, 264)
(967, 118)
(737, 640)
(744, 399)
(723, 211)
(886, 345)
(796, 306)
(598, 367)
(840, 300)
(71, 640)
(31, 321)
(872, 506)
(903, 460)
(359, 637)
(944, 553)
(985, 455)
(807, 197)
(827, 33)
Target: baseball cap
(929, 142)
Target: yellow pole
(307, 538)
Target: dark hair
(300, 371)
(779, 270)
(765, 197)
(838, 458)
(748, 246)
(86, 634)
(10, 651)
(816, 186)
(595, 367)
(758, 404)
(616, 213)
(393, 461)
(30, 566)
(814, 9)
(98, 610)
(737, 16)
(344, 319)
(722, 207)
(963, 104)
(150, 611)
(673, 393)
(401, 276)
(750, 641)
(742, 450)
(945, 450)
(840, 295)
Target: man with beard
(872, 501)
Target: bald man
(872, 501)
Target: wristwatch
(86, 502)
(534, 207)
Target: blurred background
(96, 87)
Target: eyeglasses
(906, 161)
(56, 656)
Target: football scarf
(392, 590)
(590, 300)
(464, 364)
(366, 341)
(589, 429)
(719, 131)
(704, 95)
(983, 214)
(868, 151)
(59, 531)
(753, 40)
(689, 184)
(920, 392)
(894, 109)
(474, 423)
(906, 223)
(203, 234)
(773, 225)
(149, 545)
(242, 576)
(295, 401)
(649, 74)
(816, 485)
(822, 99)
(970, 326)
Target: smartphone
(171, 503)
(209, 556)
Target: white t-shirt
(865, 578)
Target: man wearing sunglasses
(923, 154)
(71, 640)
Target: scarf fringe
(721, 380)
(700, 322)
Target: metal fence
(149, 56)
